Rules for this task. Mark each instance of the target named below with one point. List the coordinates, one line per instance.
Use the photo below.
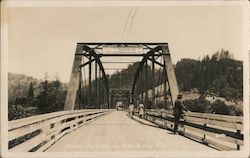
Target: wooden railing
(38, 133)
(220, 131)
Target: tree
(43, 96)
(31, 91)
(51, 96)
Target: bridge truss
(88, 53)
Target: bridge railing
(39, 132)
(220, 131)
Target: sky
(43, 39)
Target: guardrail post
(238, 146)
(204, 137)
(184, 122)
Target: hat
(179, 96)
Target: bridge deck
(117, 132)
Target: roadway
(118, 132)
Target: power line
(126, 24)
(133, 18)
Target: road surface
(118, 132)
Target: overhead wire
(127, 20)
(132, 21)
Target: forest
(219, 74)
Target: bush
(18, 112)
(197, 105)
(217, 107)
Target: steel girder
(145, 58)
(74, 79)
(91, 52)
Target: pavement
(118, 132)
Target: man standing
(178, 111)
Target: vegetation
(217, 107)
(47, 96)
(220, 74)
(18, 86)
(124, 78)
(31, 91)
(51, 96)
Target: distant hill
(21, 104)
(124, 78)
(220, 74)
(18, 85)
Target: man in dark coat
(178, 111)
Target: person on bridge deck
(131, 109)
(178, 111)
(141, 110)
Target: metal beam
(122, 43)
(93, 53)
(79, 89)
(87, 63)
(117, 62)
(120, 55)
(96, 100)
(146, 85)
(90, 78)
(74, 81)
(165, 87)
(156, 62)
(100, 88)
(173, 86)
(150, 53)
(153, 84)
(117, 69)
(126, 55)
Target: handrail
(38, 133)
(223, 132)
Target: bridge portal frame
(91, 49)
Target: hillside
(18, 85)
(26, 99)
(124, 78)
(219, 74)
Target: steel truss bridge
(90, 122)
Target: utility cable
(133, 18)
